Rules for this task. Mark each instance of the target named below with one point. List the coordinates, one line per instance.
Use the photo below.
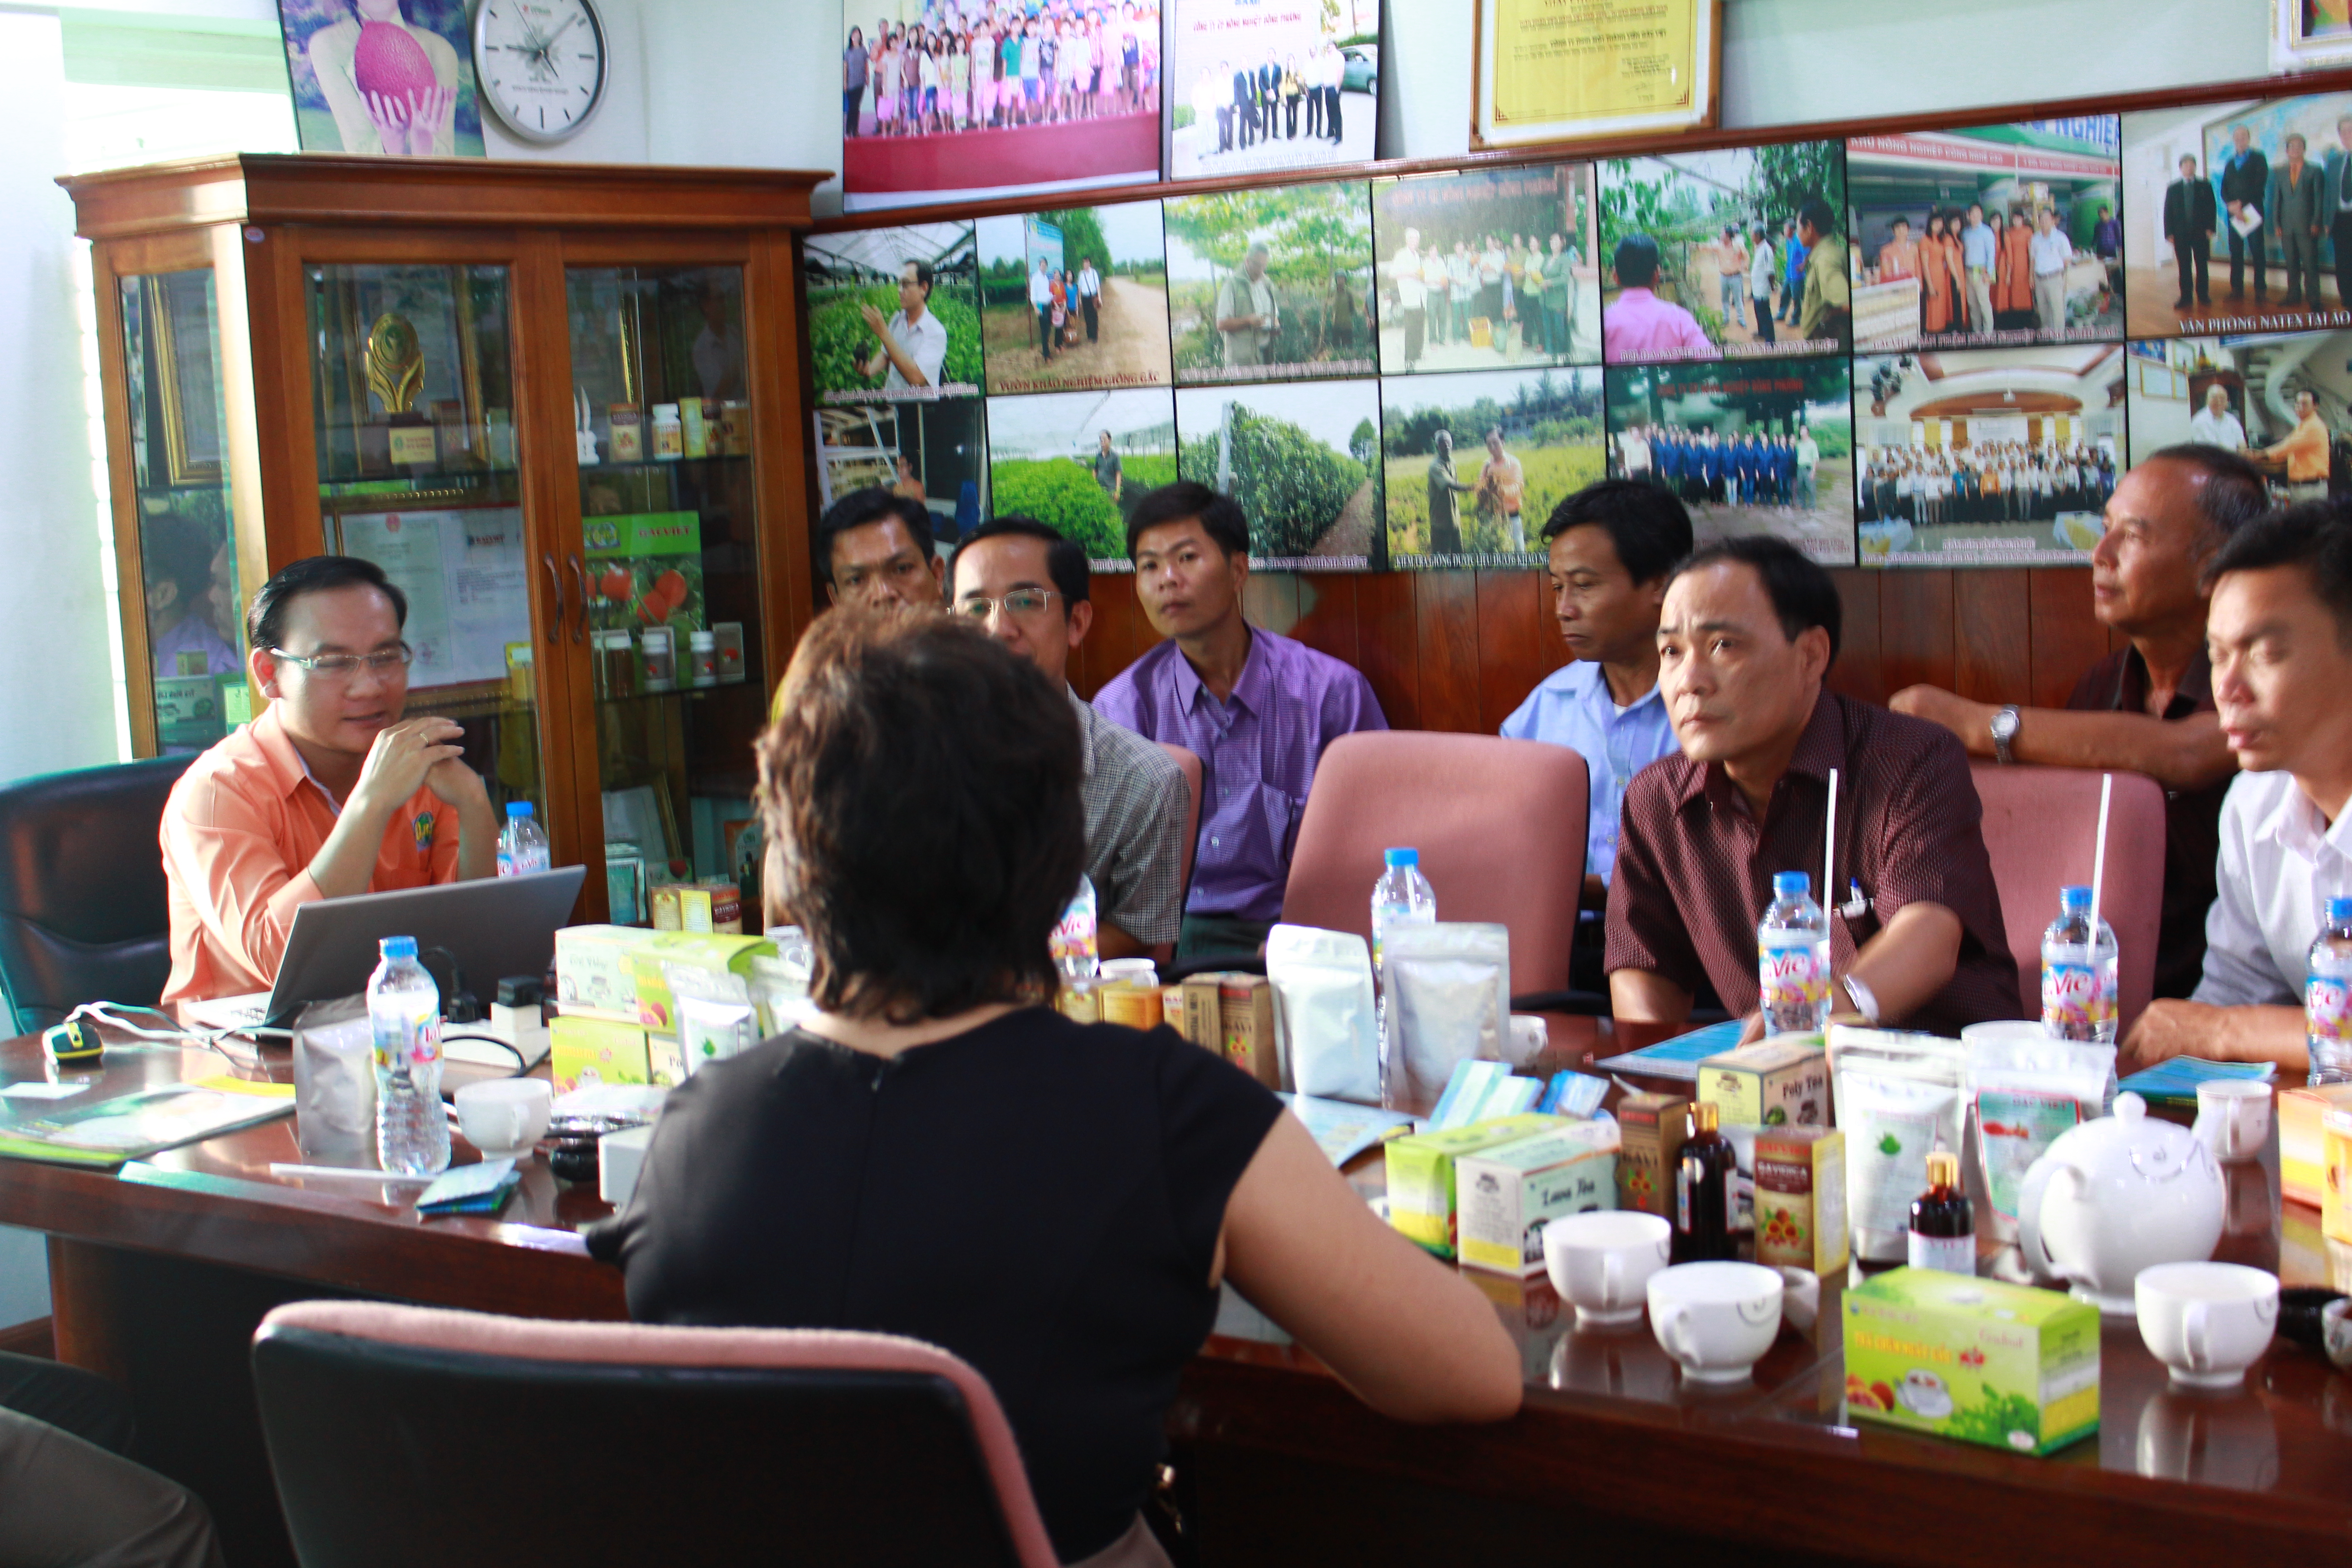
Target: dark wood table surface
(159, 1271)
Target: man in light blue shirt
(1979, 254)
(1611, 545)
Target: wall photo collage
(1925, 349)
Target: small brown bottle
(1943, 1228)
(1703, 1190)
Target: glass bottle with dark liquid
(1943, 1227)
(1703, 1176)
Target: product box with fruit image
(644, 569)
(1951, 1354)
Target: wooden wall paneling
(1445, 607)
(2067, 637)
(1121, 635)
(1856, 673)
(1327, 615)
(1514, 629)
(1914, 629)
(1993, 633)
(1388, 644)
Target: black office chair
(394, 1433)
(83, 916)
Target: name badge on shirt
(423, 829)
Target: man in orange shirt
(1899, 257)
(330, 793)
(2305, 450)
(1502, 484)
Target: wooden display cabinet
(561, 405)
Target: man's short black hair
(2316, 536)
(1636, 261)
(1220, 516)
(2234, 493)
(1803, 595)
(1065, 559)
(1814, 213)
(1649, 527)
(922, 275)
(871, 505)
(265, 618)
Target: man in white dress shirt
(2280, 632)
(911, 344)
(2215, 425)
(2051, 250)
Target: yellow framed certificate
(1572, 70)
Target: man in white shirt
(1041, 299)
(1760, 282)
(1412, 295)
(1091, 297)
(2215, 425)
(2280, 635)
(2049, 251)
(911, 344)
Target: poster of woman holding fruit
(392, 77)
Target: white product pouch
(1328, 1037)
(2024, 1092)
(1449, 1001)
(1898, 1097)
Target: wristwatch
(2004, 731)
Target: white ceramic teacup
(2233, 1117)
(1716, 1319)
(505, 1116)
(2208, 1322)
(1603, 1261)
(2336, 1332)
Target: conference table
(159, 1271)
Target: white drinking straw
(1829, 851)
(2099, 859)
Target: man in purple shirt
(1257, 708)
(1638, 327)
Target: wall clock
(541, 65)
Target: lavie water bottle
(1792, 955)
(1402, 895)
(2328, 997)
(412, 1128)
(2078, 979)
(522, 847)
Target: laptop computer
(495, 927)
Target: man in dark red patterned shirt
(1748, 630)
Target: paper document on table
(1678, 1057)
(1343, 1130)
(42, 1090)
(134, 1126)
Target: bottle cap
(2339, 911)
(1403, 857)
(519, 808)
(700, 640)
(2072, 899)
(397, 947)
(1706, 1116)
(1943, 1169)
(1791, 884)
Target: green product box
(646, 569)
(595, 968)
(1421, 1174)
(718, 953)
(1780, 1082)
(2005, 1366)
(1507, 1192)
(583, 1051)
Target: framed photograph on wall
(1257, 88)
(894, 312)
(2310, 34)
(1305, 469)
(1488, 269)
(382, 76)
(1079, 462)
(2276, 399)
(1541, 72)
(1272, 284)
(1075, 297)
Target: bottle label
(2078, 999)
(1949, 1254)
(2014, 1130)
(2327, 1008)
(1076, 949)
(1795, 979)
(411, 1042)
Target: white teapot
(2114, 1196)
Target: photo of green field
(857, 285)
(1079, 462)
(1466, 456)
(1303, 467)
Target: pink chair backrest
(1499, 825)
(2041, 825)
(644, 1344)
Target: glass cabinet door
(668, 516)
(415, 414)
(195, 660)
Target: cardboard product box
(583, 1051)
(1246, 1024)
(2302, 1151)
(1782, 1083)
(646, 569)
(1800, 1198)
(714, 907)
(1421, 1174)
(2336, 1202)
(1505, 1193)
(711, 950)
(595, 968)
(1196, 1014)
(1651, 1129)
(1958, 1356)
(665, 1060)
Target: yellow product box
(595, 968)
(2336, 1202)
(1505, 1193)
(1245, 1023)
(703, 950)
(1136, 1006)
(1205, 1022)
(1651, 1129)
(2302, 1154)
(1421, 1174)
(1780, 1082)
(715, 906)
(583, 1051)
(1959, 1356)
(1800, 1198)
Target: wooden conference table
(160, 1273)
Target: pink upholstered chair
(394, 1433)
(1499, 825)
(1190, 765)
(2040, 827)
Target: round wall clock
(541, 65)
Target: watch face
(541, 64)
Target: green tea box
(595, 968)
(1780, 1082)
(1951, 1354)
(1421, 1174)
(1505, 1194)
(586, 1051)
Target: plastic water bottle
(2078, 984)
(2327, 998)
(522, 847)
(1402, 895)
(1075, 944)
(412, 1130)
(1793, 956)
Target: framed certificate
(1574, 70)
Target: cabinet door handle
(555, 599)
(580, 580)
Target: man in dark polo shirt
(2146, 708)
(1747, 631)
